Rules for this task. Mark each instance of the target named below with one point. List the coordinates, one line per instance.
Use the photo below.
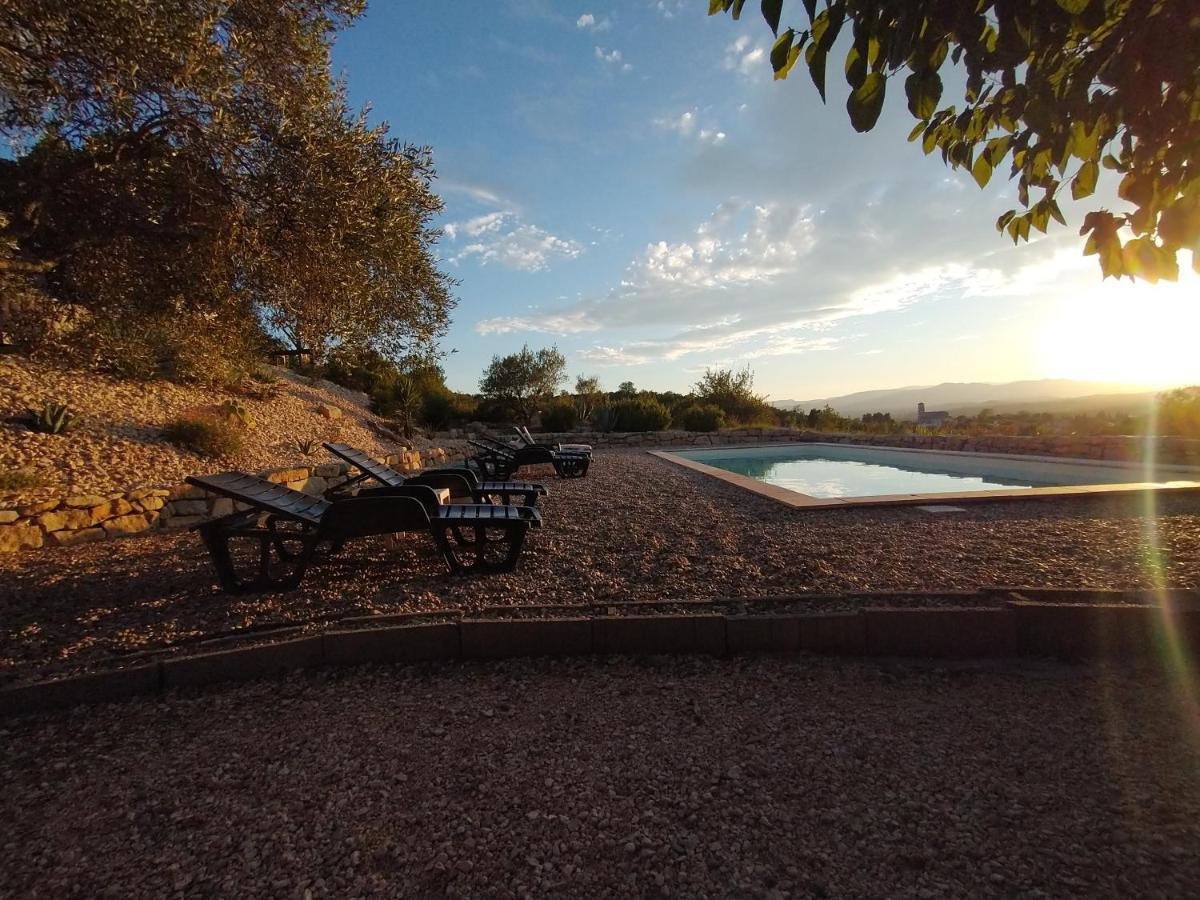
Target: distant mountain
(1047, 395)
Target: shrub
(12, 481)
(206, 435)
(561, 415)
(642, 414)
(702, 417)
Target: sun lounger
(463, 484)
(527, 438)
(293, 524)
(502, 461)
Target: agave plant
(52, 418)
(305, 446)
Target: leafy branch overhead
(1056, 89)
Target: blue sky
(626, 181)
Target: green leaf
(866, 102)
(772, 10)
(982, 170)
(737, 9)
(1074, 7)
(1005, 219)
(916, 132)
(856, 68)
(1055, 211)
(924, 90)
(1084, 182)
(815, 57)
(715, 6)
(929, 142)
(780, 50)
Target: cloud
(687, 124)
(501, 237)
(477, 192)
(669, 8)
(613, 58)
(744, 59)
(591, 23)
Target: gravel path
(673, 777)
(636, 528)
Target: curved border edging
(1024, 626)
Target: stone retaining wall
(1120, 448)
(92, 517)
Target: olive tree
(1055, 90)
(521, 381)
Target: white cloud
(687, 124)
(744, 59)
(502, 238)
(591, 23)
(669, 8)
(613, 58)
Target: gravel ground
(635, 529)
(669, 777)
(119, 445)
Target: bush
(12, 481)
(642, 414)
(702, 417)
(206, 435)
(561, 415)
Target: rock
(329, 412)
(82, 536)
(150, 503)
(70, 519)
(222, 506)
(187, 508)
(33, 509)
(283, 476)
(182, 521)
(19, 537)
(8, 516)
(123, 525)
(329, 470)
(85, 501)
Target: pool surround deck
(797, 500)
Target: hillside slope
(119, 442)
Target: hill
(967, 398)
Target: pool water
(839, 470)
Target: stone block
(221, 506)
(762, 634)
(326, 411)
(139, 494)
(659, 634)
(123, 525)
(101, 687)
(33, 509)
(501, 638)
(85, 501)
(314, 485)
(182, 521)
(151, 503)
(8, 516)
(187, 508)
(81, 536)
(184, 492)
(329, 470)
(940, 633)
(20, 537)
(242, 664)
(283, 476)
(111, 509)
(402, 643)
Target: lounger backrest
(367, 464)
(369, 515)
(265, 495)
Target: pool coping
(796, 500)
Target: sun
(1142, 334)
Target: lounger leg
(512, 533)
(216, 541)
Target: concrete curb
(1025, 626)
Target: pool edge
(796, 500)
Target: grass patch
(210, 437)
(12, 481)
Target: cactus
(53, 418)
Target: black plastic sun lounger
(499, 460)
(296, 523)
(527, 439)
(463, 484)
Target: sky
(625, 180)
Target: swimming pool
(832, 474)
